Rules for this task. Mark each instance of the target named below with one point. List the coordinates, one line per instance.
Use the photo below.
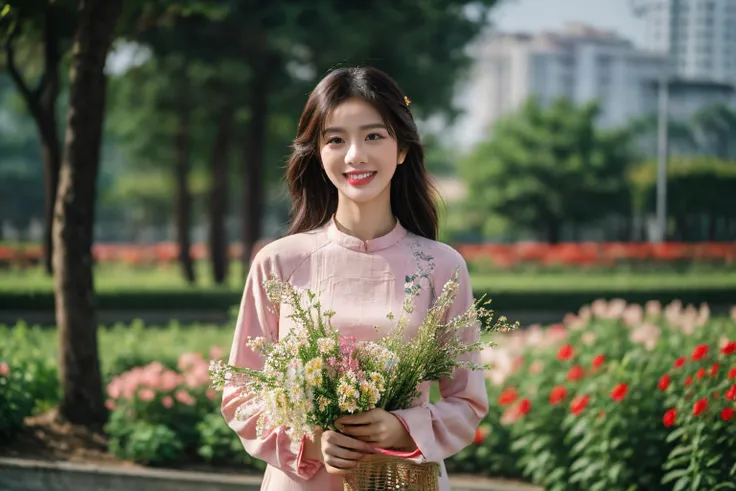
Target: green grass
(577, 281)
(119, 278)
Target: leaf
(615, 471)
(696, 482)
(672, 475)
(580, 464)
(724, 485)
(679, 450)
(714, 460)
(682, 483)
(676, 434)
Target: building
(698, 35)
(579, 62)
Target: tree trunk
(553, 231)
(79, 370)
(712, 227)
(182, 197)
(253, 152)
(41, 104)
(219, 197)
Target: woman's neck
(364, 222)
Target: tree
(79, 372)
(714, 128)
(261, 43)
(40, 25)
(543, 167)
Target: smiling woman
(363, 227)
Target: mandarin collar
(348, 241)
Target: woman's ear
(402, 155)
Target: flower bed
(615, 397)
(502, 256)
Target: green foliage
(28, 379)
(146, 443)
(695, 185)
(615, 355)
(546, 165)
(219, 444)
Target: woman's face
(358, 154)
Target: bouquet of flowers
(314, 375)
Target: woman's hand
(377, 427)
(341, 453)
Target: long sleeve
(257, 318)
(443, 429)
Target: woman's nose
(355, 154)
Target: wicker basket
(383, 473)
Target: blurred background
(585, 151)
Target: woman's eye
(334, 139)
(375, 136)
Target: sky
(547, 15)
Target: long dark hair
(314, 197)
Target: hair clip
(407, 101)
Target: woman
(363, 219)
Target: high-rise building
(698, 35)
(579, 62)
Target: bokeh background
(585, 151)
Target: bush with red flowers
(620, 397)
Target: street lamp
(640, 8)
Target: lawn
(121, 278)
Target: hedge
(527, 300)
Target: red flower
(508, 396)
(688, 380)
(598, 361)
(714, 369)
(578, 404)
(565, 353)
(729, 349)
(700, 406)
(576, 372)
(480, 436)
(680, 362)
(670, 417)
(619, 392)
(732, 373)
(664, 382)
(515, 412)
(731, 393)
(525, 405)
(727, 414)
(716, 395)
(701, 373)
(700, 351)
(557, 394)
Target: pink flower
(4, 368)
(210, 393)
(216, 352)
(186, 360)
(633, 315)
(653, 308)
(169, 380)
(646, 334)
(110, 404)
(167, 402)
(184, 397)
(146, 395)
